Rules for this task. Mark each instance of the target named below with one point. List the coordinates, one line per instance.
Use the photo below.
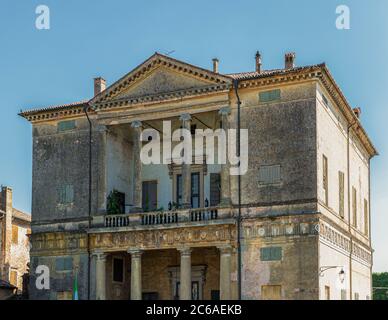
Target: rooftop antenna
(170, 52)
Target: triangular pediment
(162, 80)
(161, 75)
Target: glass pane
(195, 202)
(195, 183)
(179, 188)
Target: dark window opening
(149, 196)
(118, 270)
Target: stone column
(100, 276)
(185, 273)
(136, 290)
(186, 167)
(137, 176)
(225, 272)
(225, 173)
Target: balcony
(163, 218)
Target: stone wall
(280, 133)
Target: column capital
(136, 124)
(185, 117)
(225, 249)
(135, 253)
(224, 111)
(185, 251)
(100, 255)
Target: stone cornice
(322, 74)
(55, 113)
(154, 61)
(163, 97)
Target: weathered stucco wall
(280, 133)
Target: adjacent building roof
(56, 108)
(268, 73)
(21, 215)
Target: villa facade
(130, 230)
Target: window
(341, 183)
(354, 206)
(179, 189)
(269, 174)
(195, 189)
(195, 293)
(149, 197)
(66, 194)
(66, 125)
(15, 234)
(64, 264)
(343, 294)
(366, 217)
(271, 292)
(327, 292)
(118, 270)
(325, 179)
(271, 254)
(268, 96)
(215, 189)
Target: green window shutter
(265, 254)
(276, 253)
(68, 263)
(267, 96)
(66, 125)
(271, 254)
(69, 194)
(63, 263)
(66, 194)
(59, 264)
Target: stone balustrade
(165, 217)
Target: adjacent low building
(15, 227)
(129, 230)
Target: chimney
(357, 112)
(258, 61)
(215, 65)
(5, 249)
(289, 60)
(6, 199)
(99, 85)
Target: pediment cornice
(211, 81)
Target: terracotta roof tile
(56, 107)
(268, 73)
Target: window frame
(325, 178)
(269, 168)
(269, 96)
(66, 125)
(354, 207)
(341, 194)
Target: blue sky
(109, 38)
